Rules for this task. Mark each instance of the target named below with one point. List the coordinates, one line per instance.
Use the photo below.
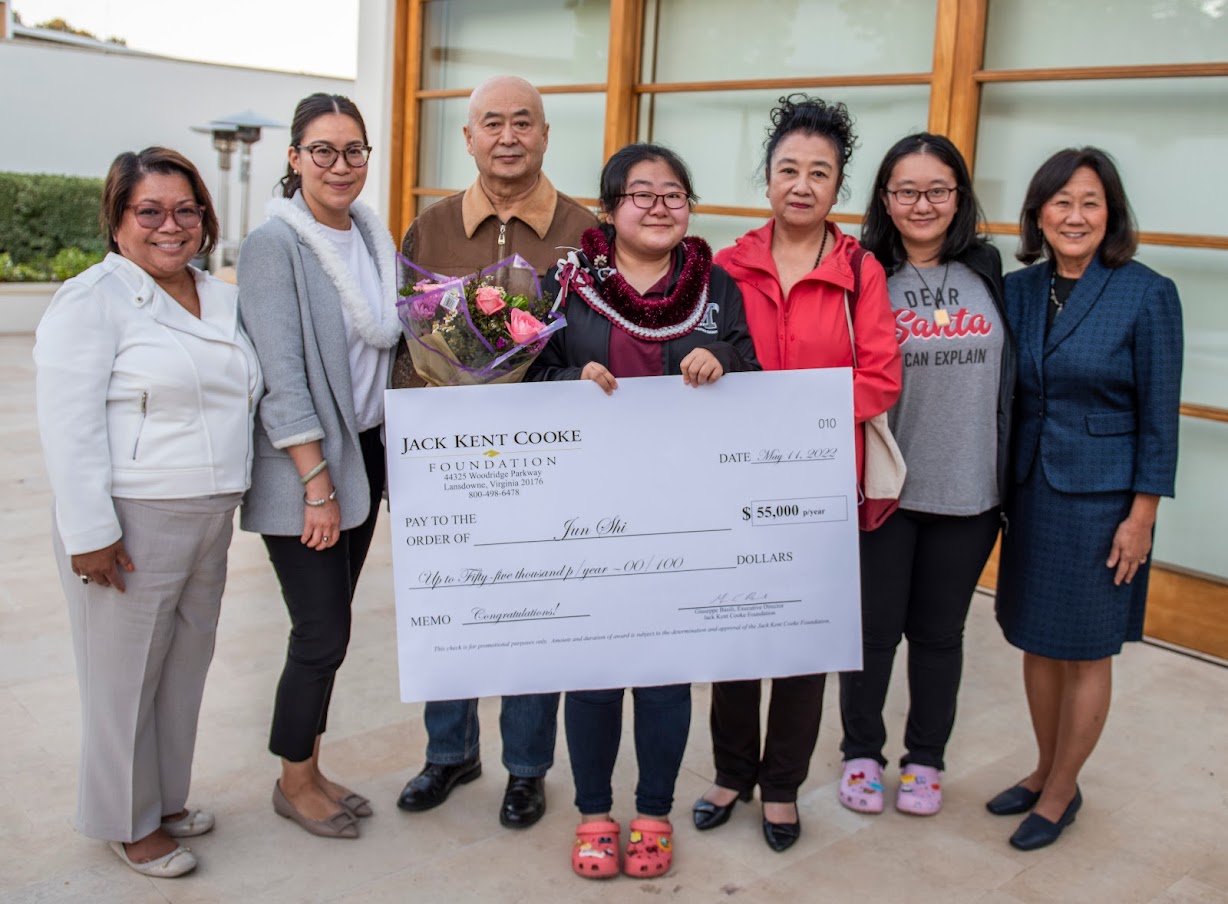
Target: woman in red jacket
(794, 273)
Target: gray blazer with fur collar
(292, 286)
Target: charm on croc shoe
(920, 791)
(861, 786)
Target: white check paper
(549, 537)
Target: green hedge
(48, 225)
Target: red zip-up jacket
(808, 328)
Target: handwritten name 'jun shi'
(487, 440)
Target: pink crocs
(920, 790)
(861, 785)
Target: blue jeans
(528, 723)
(594, 723)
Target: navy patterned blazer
(1097, 400)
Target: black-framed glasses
(910, 196)
(151, 216)
(646, 200)
(325, 155)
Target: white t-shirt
(367, 364)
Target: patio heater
(239, 131)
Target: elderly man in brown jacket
(511, 208)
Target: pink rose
(523, 326)
(490, 300)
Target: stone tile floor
(1154, 828)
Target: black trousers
(918, 574)
(318, 587)
(792, 730)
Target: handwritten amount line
(737, 605)
(591, 577)
(505, 621)
(664, 533)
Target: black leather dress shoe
(524, 802)
(1038, 832)
(708, 815)
(431, 787)
(1013, 801)
(780, 836)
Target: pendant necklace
(941, 317)
(1057, 303)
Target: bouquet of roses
(487, 327)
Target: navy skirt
(1056, 597)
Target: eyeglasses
(150, 216)
(910, 196)
(646, 200)
(325, 155)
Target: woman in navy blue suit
(1094, 449)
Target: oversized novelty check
(549, 537)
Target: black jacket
(587, 334)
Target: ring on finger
(85, 578)
(326, 538)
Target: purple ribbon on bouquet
(448, 284)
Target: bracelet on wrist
(314, 471)
(316, 503)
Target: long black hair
(811, 116)
(879, 234)
(310, 109)
(1121, 233)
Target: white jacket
(139, 399)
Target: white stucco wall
(373, 93)
(66, 110)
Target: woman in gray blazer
(317, 291)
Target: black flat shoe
(780, 836)
(524, 802)
(708, 815)
(1013, 801)
(1037, 832)
(431, 787)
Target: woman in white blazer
(317, 290)
(146, 387)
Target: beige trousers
(142, 656)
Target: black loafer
(431, 787)
(780, 836)
(708, 815)
(1037, 832)
(1013, 801)
(524, 802)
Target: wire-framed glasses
(910, 196)
(645, 200)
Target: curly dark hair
(811, 116)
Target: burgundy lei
(656, 320)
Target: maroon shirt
(631, 356)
